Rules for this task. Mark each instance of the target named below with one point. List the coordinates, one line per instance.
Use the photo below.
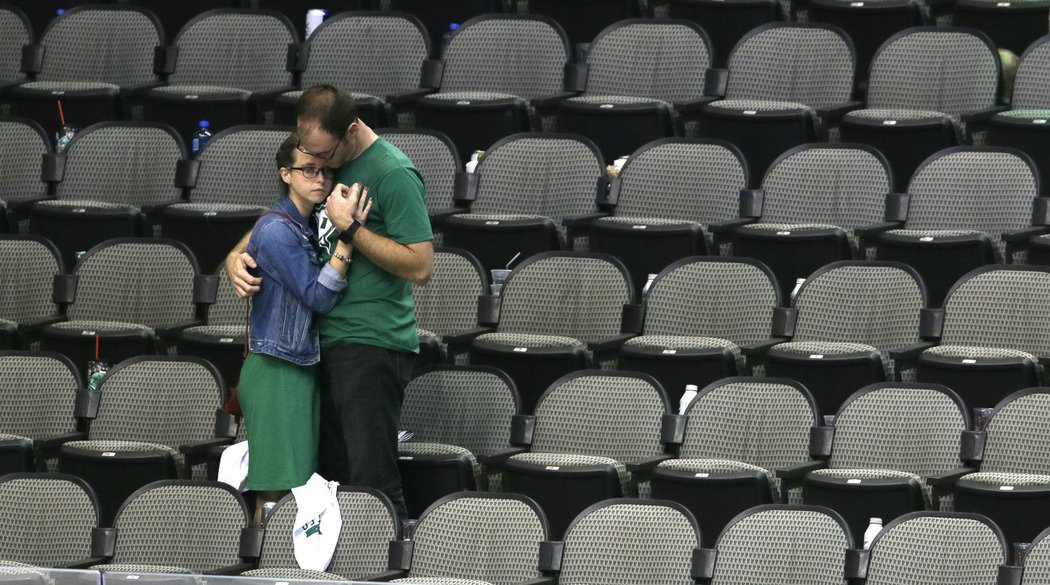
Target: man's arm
(412, 262)
(237, 264)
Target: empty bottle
(687, 397)
(873, 530)
(474, 158)
(201, 137)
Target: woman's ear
(286, 176)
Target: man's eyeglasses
(328, 154)
(311, 173)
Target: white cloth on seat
(317, 523)
(233, 466)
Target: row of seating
(888, 449)
(851, 323)
(499, 539)
(501, 74)
(818, 203)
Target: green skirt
(282, 410)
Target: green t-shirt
(377, 308)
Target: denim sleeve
(284, 259)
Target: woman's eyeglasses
(311, 172)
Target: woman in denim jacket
(278, 386)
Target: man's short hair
(331, 107)
(286, 156)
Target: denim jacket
(295, 285)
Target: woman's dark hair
(286, 156)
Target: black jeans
(362, 388)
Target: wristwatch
(347, 237)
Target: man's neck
(365, 138)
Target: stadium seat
(558, 312)
(814, 202)
(442, 17)
(724, 22)
(525, 196)
(640, 79)
(929, 88)
(739, 431)
(667, 195)
(583, 19)
(29, 265)
(447, 307)
(151, 418)
(1036, 562)
(785, 84)
(21, 184)
(174, 15)
(128, 296)
(1025, 126)
(41, 13)
(1039, 250)
(222, 338)
(53, 517)
(594, 435)
(851, 319)
(369, 525)
(705, 318)
(382, 77)
(296, 10)
(89, 58)
(15, 33)
(38, 391)
(496, 71)
(889, 445)
(966, 207)
(220, 67)
(232, 180)
(646, 542)
(436, 158)
(1010, 25)
(992, 336)
(770, 543)
(109, 183)
(460, 418)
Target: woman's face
(300, 184)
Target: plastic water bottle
(687, 397)
(473, 164)
(873, 530)
(201, 137)
(314, 18)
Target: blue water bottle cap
(453, 25)
(204, 124)
(60, 11)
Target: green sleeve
(399, 198)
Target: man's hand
(237, 265)
(345, 204)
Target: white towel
(233, 465)
(317, 523)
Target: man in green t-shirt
(369, 340)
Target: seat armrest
(465, 189)
(33, 327)
(550, 101)
(81, 563)
(268, 95)
(154, 209)
(800, 470)
(49, 445)
(488, 310)
(856, 568)
(250, 545)
(388, 575)
(103, 542)
(672, 429)
(438, 217)
(53, 167)
(85, 405)
(1041, 211)
(632, 318)
(947, 479)
(296, 57)
(32, 59)
(496, 459)
(235, 569)
(432, 72)
(609, 344)
(648, 464)
(205, 289)
(464, 337)
(727, 227)
(197, 453)
(1044, 361)
(576, 75)
(931, 323)
(837, 112)
(169, 332)
(694, 105)
(870, 232)
(909, 352)
(702, 567)
(186, 171)
(972, 446)
(751, 202)
(585, 220)
(164, 59)
(551, 553)
(761, 348)
(522, 427)
(784, 321)
(408, 97)
(820, 441)
(135, 93)
(1019, 238)
(982, 115)
(22, 206)
(538, 581)
(715, 82)
(1009, 575)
